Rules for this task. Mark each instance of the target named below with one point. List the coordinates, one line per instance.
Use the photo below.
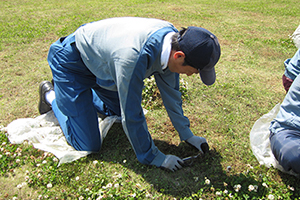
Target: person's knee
(90, 145)
(285, 148)
(294, 163)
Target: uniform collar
(166, 49)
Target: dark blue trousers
(78, 97)
(285, 146)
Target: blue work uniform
(100, 68)
(285, 128)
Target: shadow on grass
(293, 181)
(190, 180)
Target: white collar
(166, 49)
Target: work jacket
(288, 117)
(121, 53)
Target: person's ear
(179, 54)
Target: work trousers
(78, 97)
(285, 146)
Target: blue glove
(199, 142)
(172, 163)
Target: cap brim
(208, 77)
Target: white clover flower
(230, 195)
(77, 178)
(225, 191)
(7, 153)
(44, 162)
(40, 196)
(109, 185)
(148, 195)
(118, 175)
(23, 184)
(18, 161)
(99, 197)
(265, 185)
(26, 178)
(116, 185)
(255, 188)
(55, 159)
(250, 188)
(248, 165)
(133, 195)
(207, 181)
(228, 168)
(26, 172)
(39, 175)
(237, 187)
(19, 186)
(138, 185)
(38, 165)
(218, 193)
(0, 156)
(3, 143)
(14, 198)
(124, 161)
(291, 188)
(81, 198)
(19, 154)
(49, 185)
(95, 162)
(271, 196)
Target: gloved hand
(199, 142)
(172, 163)
(287, 82)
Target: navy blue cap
(202, 51)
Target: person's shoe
(44, 106)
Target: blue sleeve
(168, 84)
(130, 94)
(292, 66)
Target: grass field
(254, 37)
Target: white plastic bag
(296, 37)
(260, 143)
(45, 133)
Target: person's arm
(130, 85)
(292, 70)
(168, 84)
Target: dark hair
(174, 43)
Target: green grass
(254, 37)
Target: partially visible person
(100, 68)
(285, 128)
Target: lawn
(255, 41)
